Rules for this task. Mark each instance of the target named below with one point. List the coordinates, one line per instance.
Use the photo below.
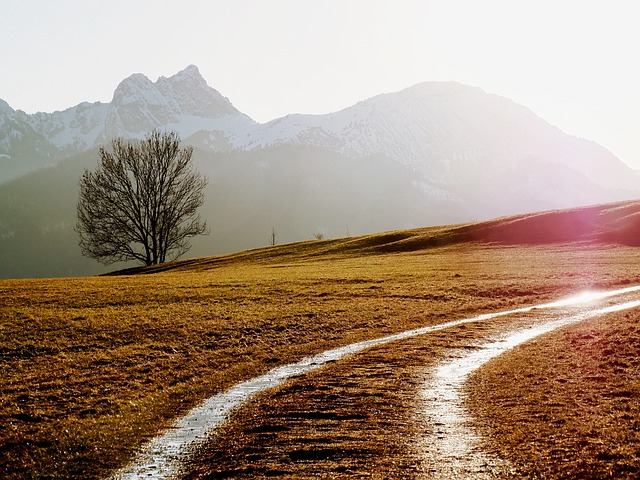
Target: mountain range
(436, 152)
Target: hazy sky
(574, 63)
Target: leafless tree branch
(141, 203)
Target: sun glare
(588, 296)
(585, 297)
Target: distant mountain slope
(183, 102)
(451, 133)
(37, 216)
(434, 153)
(454, 136)
(22, 148)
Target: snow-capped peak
(193, 96)
(448, 132)
(5, 108)
(133, 89)
(183, 102)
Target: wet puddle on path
(453, 450)
(164, 455)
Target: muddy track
(358, 417)
(361, 416)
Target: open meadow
(93, 367)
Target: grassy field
(567, 406)
(92, 367)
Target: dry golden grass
(91, 367)
(568, 404)
(357, 418)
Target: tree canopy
(141, 202)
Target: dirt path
(458, 451)
(364, 415)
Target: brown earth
(356, 418)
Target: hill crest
(609, 224)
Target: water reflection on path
(453, 450)
(163, 456)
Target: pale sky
(574, 63)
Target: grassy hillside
(614, 224)
(91, 367)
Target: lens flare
(587, 296)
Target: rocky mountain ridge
(183, 102)
(449, 133)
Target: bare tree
(141, 202)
